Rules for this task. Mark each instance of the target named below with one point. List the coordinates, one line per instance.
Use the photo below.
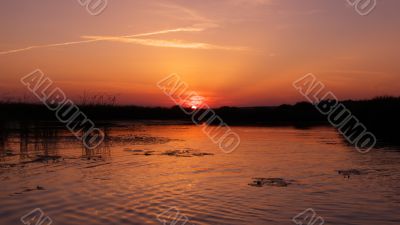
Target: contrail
(183, 29)
(166, 43)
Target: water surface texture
(144, 170)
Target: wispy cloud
(201, 24)
(45, 46)
(250, 2)
(165, 43)
(184, 13)
(134, 38)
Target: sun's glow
(196, 102)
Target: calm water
(127, 182)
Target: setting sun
(196, 101)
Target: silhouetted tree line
(380, 115)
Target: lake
(152, 172)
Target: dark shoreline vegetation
(380, 115)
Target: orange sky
(232, 52)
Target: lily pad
(275, 182)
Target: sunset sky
(232, 52)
